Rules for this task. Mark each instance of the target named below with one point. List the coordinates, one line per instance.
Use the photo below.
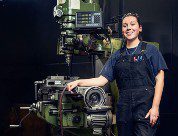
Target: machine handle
(14, 126)
(25, 108)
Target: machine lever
(14, 126)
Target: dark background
(28, 39)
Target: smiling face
(131, 28)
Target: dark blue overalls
(136, 83)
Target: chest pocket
(122, 67)
(138, 66)
(131, 67)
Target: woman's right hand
(72, 85)
(97, 81)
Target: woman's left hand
(154, 114)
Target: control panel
(89, 20)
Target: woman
(138, 69)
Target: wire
(20, 124)
(60, 110)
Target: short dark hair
(134, 15)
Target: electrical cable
(20, 123)
(60, 110)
